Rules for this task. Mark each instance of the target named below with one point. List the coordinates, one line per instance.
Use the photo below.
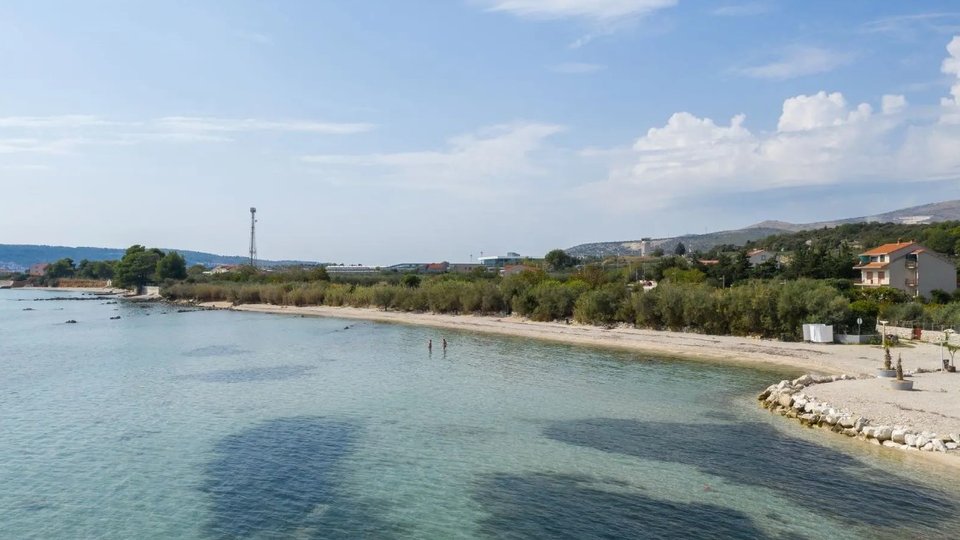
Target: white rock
(846, 422)
(799, 404)
(867, 432)
(897, 435)
(921, 441)
(927, 447)
(910, 439)
(952, 445)
(859, 423)
(938, 445)
(955, 437)
(830, 419)
(786, 400)
(883, 433)
(891, 444)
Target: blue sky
(380, 131)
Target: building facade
(907, 266)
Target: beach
(805, 357)
(933, 406)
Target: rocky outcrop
(788, 399)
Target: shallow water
(240, 425)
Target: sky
(381, 132)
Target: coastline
(829, 361)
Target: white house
(760, 256)
(907, 266)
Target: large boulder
(883, 433)
(910, 439)
(897, 435)
(786, 400)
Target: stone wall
(929, 336)
(788, 399)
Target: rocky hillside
(927, 213)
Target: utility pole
(253, 237)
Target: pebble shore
(788, 398)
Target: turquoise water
(240, 425)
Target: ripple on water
(215, 350)
(755, 454)
(285, 477)
(274, 373)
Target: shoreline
(829, 361)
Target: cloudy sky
(382, 131)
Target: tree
(558, 259)
(657, 252)
(60, 269)
(137, 267)
(171, 266)
(680, 249)
(411, 281)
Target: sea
(145, 420)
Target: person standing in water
(430, 345)
(444, 343)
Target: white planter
(901, 385)
(886, 373)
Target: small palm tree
(887, 360)
(899, 368)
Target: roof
(872, 266)
(751, 253)
(888, 248)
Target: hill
(22, 256)
(915, 215)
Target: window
(880, 275)
(870, 277)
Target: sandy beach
(804, 357)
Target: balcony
(911, 265)
(912, 283)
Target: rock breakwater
(788, 398)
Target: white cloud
(798, 62)
(951, 66)
(743, 10)
(492, 159)
(803, 113)
(577, 68)
(820, 139)
(907, 26)
(892, 104)
(62, 121)
(586, 9)
(194, 123)
(64, 134)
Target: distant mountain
(19, 256)
(916, 215)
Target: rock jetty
(788, 399)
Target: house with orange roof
(907, 266)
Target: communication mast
(253, 237)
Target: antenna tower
(253, 237)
